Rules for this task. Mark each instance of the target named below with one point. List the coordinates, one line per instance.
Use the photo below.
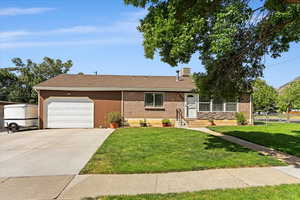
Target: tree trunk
(288, 115)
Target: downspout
(122, 104)
(251, 114)
(39, 118)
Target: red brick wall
(104, 102)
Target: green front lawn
(281, 192)
(148, 150)
(280, 136)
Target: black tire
(13, 127)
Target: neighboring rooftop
(116, 82)
(7, 102)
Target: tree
(264, 96)
(19, 80)
(289, 98)
(8, 83)
(231, 36)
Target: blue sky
(98, 35)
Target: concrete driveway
(48, 152)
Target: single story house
(83, 101)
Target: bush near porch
(149, 150)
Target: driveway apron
(48, 152)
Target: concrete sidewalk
(77, 187)
(101, 185)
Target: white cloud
(23, 11)
(76, 29)
(124, 26)
(12, 34)
(108, 41)
(118, 27)
(135, 16)
(119, 32)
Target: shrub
(114, 117)
(143, 123)
(241, 119)
(166, 121)
(211, 119)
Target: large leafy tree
(289, 97)
(231, 37)
(264, 96)
(8, 83)
(18, 81)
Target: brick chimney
(185, 72)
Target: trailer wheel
(13, 127)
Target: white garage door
(77, 112)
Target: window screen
(218, 105)
(158, 100)
(154, 100)
(231, 106)
(149, 100)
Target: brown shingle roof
(116, 82)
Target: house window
(217, 105)
(204, 104)
(231, 106)
(154, 100)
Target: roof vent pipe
(177, 75)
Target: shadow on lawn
(215, 142)
(298, 132)
(279, 141)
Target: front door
(191, 105)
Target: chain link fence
(277, 117)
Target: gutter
(112, 89)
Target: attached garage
(69, 112)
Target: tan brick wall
(135, 122)
(134, 105)
(203, 123)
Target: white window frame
(207, 102)
(153, 93)
(237, 106)
(224, 106)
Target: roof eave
(112, 89)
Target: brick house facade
(129, 95)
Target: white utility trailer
(19, 116)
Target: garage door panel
(70, 113)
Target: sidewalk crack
(63, 189)
(236, 177)
(156, 183)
